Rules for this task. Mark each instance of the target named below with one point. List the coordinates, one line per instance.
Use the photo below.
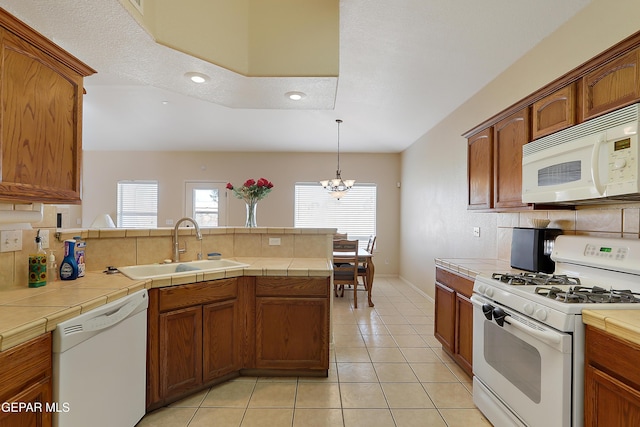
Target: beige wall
(434, 218)
(102, 170)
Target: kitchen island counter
(26, 313)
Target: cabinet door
(180, 350)
(292, 333)
(445, 315)
(464, 332)
(510, 135)
(221, 338)
(41, 101)
(609, 402)
(554, 112)
(37, 395)
(480, 170)
(613, 85)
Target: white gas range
(528, 335)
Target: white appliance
(594, 161)
(99, 365)
(528, 335)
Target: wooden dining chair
(363, 267)
(345, 267)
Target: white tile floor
(387, 370)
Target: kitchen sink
(159, 271)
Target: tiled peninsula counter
(272, 316)
(26, 313)
(453, 310)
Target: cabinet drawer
(290, 286)
(197, 293)
(24, 364)
(600, 346)
(457, 283)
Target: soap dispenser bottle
(69, 266)
(38, 265)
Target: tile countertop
(623, 324)
(26, 313)
(471, 267)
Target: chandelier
(338, 187)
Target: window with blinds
(354, 214)
(137, 205)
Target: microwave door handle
(595, 164)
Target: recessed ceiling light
(295, 96)
(164, 102)
(197, 77)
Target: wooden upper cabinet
(613, 85)
(480, 170)
(41, 88)
(554, 112)
(510, 134)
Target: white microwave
(595, 161)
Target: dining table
(366, 258)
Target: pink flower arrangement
(252, 190)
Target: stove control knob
(528, 309)
(481, 289)
(489, 292)
(541, 314)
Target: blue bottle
(69, 266)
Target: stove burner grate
(535, 279)
(586, 294)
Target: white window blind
(354, 214)
(137, 204)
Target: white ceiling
(404, 66)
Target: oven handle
(545, 336)
(549, 337)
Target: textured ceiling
(404, 66)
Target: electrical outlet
(274, 241)
(10, 241)
(44, 239)
(476, 231)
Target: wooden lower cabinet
(203, 333)
(181, 350)
(454, 317)
(292, 323)
(222, 332)
(25, 376)
(194, 333)
(611, 384)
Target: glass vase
(251, 213)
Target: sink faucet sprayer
(176, 246)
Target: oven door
(523, 367)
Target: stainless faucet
(176, 246)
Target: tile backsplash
(119, 247)
(621, 220)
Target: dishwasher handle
(111, 318)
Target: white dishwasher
(99, 365)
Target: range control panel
(610, 252)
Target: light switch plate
(44, 239)
(10, 240)
(274, 241)
(476, 231)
